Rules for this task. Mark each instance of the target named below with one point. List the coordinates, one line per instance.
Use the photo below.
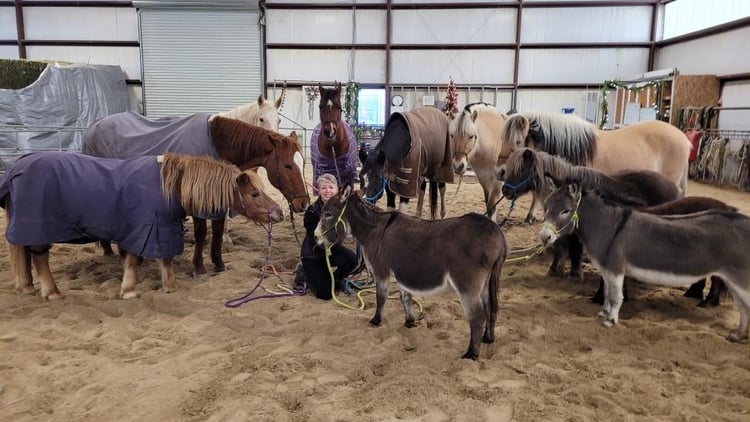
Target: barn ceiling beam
(32, 3)
(20, 31)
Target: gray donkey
(666, 250)
(464, 254)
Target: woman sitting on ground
(317, 276)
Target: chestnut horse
(126, 135)
(139, 202)
(333, 146)
(476, 139)
(652, 145)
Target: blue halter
(515, 188)
(377, 196)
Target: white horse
(263, 113)
(476, 139)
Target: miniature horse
(664, 250)
(413, 251)
(65, 197)
(529, 170)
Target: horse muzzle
(300, 203)
(509, 193)
(460, 167)
(276, 215)
(547, 235)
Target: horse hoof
(220, 268)
(470, 355)
(555, 272)
(530, 219)
(488, 340)
(170, 289)
(410, 324)
(130, 295)
(200, 276)
(608, 323)
(602, 314)
(53, 296)
(375, 322)
(735, 337)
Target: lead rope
(234, 303)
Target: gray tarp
(54, 111)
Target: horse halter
(573, 219)
(515, 188)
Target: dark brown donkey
(415, 253)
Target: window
(684, 16)
(371, 110)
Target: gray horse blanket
(347, 164)
(129, 134)
(66, 197)
(429, 154)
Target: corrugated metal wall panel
(199, 60)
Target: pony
(334, 148)
(651, 145)
(687, 205)
(412, 250)
(415, 147)
(127, 135)
(528, 170)
(262, 113)
(65, 197)
(665, 250)
(476, 139)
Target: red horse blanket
(65, 197)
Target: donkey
(412, 251)
(664, 250)
(687, 205)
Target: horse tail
(17, 256)
(433, 198)
(494, 285)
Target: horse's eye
(564, 212)
(262, 120)
(254, 194)
(327, 214)
(288, 166)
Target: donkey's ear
(243, 179)
(527, 155)
(574, 188)
(347, 191)
(552, 179)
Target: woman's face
(327, 190)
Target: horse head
(518, 173)
(330, 115)
(561, 212)
(284, 167)
(253, 202)
(515, 132)
(263, 113)
(463, 136)
(372, 175)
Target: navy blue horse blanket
(65, 197)
(129, 134)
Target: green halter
(573, 220)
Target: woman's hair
(326, 177)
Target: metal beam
(20, 31)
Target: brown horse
(242, 144)
(414, 252)
(651, 145)
(139, 203)
(334, 148)
(665, 250)
(476, 139)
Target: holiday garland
(351, 101)
(608, 85)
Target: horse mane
(560, 134)
(396, 141)
(246, 141)
(201, 184)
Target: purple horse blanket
(347, 164)
(129, 134)
(65, 197)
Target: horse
(686, 205)
(262, 113)
(65, 197)
(413, 251)
(651, 145)
(127, 135)
(476, 138)
(528, 170)
(664, 250)
(333, 145)
(415, 147)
